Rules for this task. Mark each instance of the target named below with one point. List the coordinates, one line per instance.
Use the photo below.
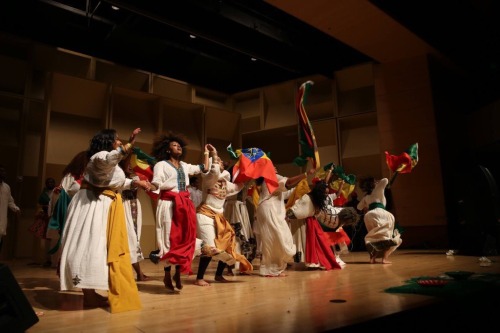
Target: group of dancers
(100, 220)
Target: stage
(352, 299)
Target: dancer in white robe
(6, 202)
(382, 239)
(95, 251)
(175, 212)
(213, 228)
(274, 237)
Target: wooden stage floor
(300, 302)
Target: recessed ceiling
(154, 36)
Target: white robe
(274, 237)
(379, 222)
(165, 178)
(6, 202)
(134, 231)
(84, 239)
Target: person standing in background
(133, 216)
(40, 225)
(60, 199)
(6, 202)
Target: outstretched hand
(134, 134)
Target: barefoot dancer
(95, 251)
(382, 239)
(273, 234)
(175, 212)
(214, 229)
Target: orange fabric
(225, 237)
(123, 294)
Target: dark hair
(367, 184)
(102, 141)
(259, 181)
(77, 165)
(348, 216)
(162, 143)
(318, 194)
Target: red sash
(318, 248)
(183, 230)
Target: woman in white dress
(318, 210)
(381, 239)
(175, 212)
(274, 238)
(95, 251)
(59, 201)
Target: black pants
(202, 268)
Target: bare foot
(177, 279)
(201, 283)
(230, 273)
(220, 278)
(279, 275)
(209, 251)
(143, 277)
(373, 260)
(91, 299)
(167, 281)
(385, 261)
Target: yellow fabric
(299, 190)
(123, 293)
(225, 237)
(346, 188)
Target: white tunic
(84, 241)
(165, 177)
(216, 187)
(379, 222)
(274, 237)
(6, 202)
(134, 231)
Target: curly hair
(367, 184)
(77, 165)
(318, 194)
(102, 141)
(348, 216)
(161, 145)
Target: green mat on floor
(478, 285)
